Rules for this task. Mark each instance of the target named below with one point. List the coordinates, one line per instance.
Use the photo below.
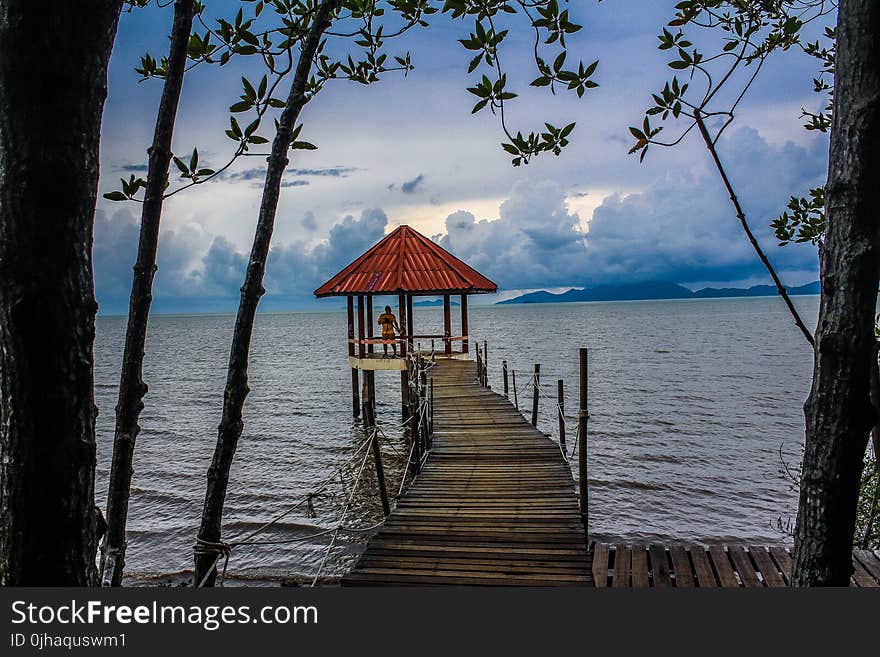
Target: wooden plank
(660, 567)
(681, 567)
(861, 577)
(870, 562)
(769, 570)
(600, 565)
(723, 567)
(640, 567)
(702, 567)
(744, 567)
(494, 504)
(622, 561)
(783, 560)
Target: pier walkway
(495, 502)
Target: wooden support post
(431, 410)
(355, 384)
(410, 324)
(560, 411)
(515, 394)
(464, 323)
(583, 417)
(361, 346)
(423, 414)
(536, 382)
(404, 377)
(479, 366)
(504, 378)
(413, 422)
(447, 324)
(370, 427)
(369, 301)
(485, 364)
(401, 321)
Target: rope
(223, 550)
(344, 513)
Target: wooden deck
(688, 566)
(495, 503)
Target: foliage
(741, 35)
(356, 49)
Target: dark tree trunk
(839, 414)
(131, 385)
(53, 82)
(231, 424)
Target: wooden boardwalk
(495, 503)
(688, 566)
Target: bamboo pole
(536, 381)
(583, 417)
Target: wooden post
(431, 409)
(404, 376)
(361, 346)
(479, 366)
(515, 394)
(504, 378)
(413, 423)
(464, 323)
(401, 320)
(535, 383)
(583, 417)
(410, 324)
(560, 411)
(369, 321)
(423, 410)
(370, 426)
(447, 324)
(355, 384)
(485, 364)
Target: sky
(408, 151)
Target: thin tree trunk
(53, 82)
(740, 214)
(131, 385)
(231, 424)
(839, 414)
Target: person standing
(389, 325)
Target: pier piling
(583, 417)
(536, 382)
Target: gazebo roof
(406, 262)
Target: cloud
(335, 172)
(295, 183)
(134, 168)
(681, 228)
(411, 186)
(535, 241)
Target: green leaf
(115, 196)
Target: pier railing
(531, 384)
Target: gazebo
(404, 264)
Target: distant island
(655, 291)
(431, 303)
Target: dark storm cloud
(411, 186)
(680, 229)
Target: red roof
(405, 261)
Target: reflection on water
(691, 404)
